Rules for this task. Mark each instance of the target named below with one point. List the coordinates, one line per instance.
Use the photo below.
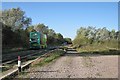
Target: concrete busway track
(11, 57)
(25, 62)
(8, 58)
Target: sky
(67, 17)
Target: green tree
(30, 29)
(59, 38)
(68, 40)
(90, 35)
(51, 32)
(113, 34)
(80, 40)
(41, 28)
(15, 18)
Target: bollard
(19, 64)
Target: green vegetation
(16, 28)
(68, 40)
(93, 40)
(14, 39)
(48, 58)
(98, 47)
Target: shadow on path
(37, 71)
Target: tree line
(16, 27)
(91, 35)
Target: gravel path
(77, 67)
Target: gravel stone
(77, 67)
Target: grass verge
(98, 49)
(48, 58)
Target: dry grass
(48, 58)
(98, 47)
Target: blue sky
(67, 17)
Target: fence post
(19, 64)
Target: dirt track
(77, 67)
